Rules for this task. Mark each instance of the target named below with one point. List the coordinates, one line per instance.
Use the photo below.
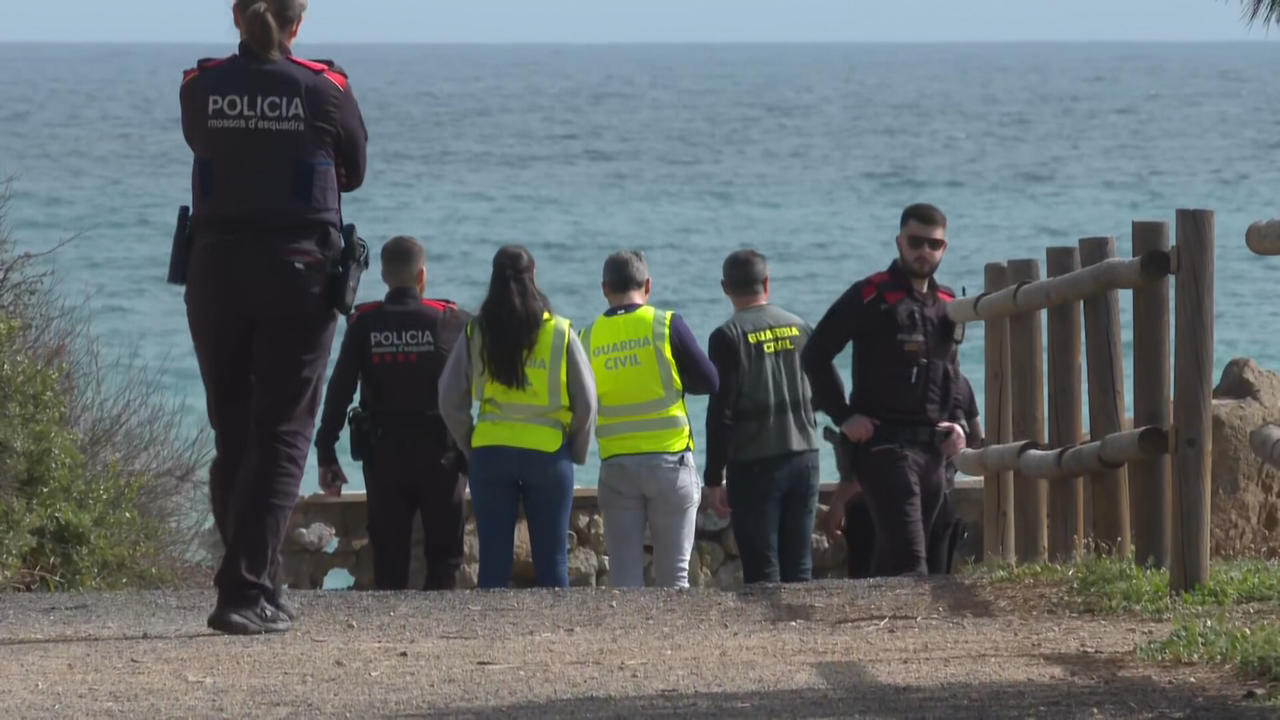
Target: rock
(573, 541)
(468, 575)
(583, 566)
(695, 569)
(710, 555)
(522, 567)
(595, 534)
(470, 543)
(729, 577)
(316, 537)
(729, 542)
(1245, 505)
(828, 554)
(579, 524)
(699, 575)
(1244, 379)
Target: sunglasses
(915, 242)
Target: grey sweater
(456, 398)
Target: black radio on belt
(180, 254)
(352, 264)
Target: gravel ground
(886, 649)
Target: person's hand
(955, 441)
(332, 479)
(716, 498)
(859, 428)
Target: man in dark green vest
(762, 434)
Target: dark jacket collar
(402, 296)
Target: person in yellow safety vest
(525, 368)
(644, 361)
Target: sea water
(807, 153)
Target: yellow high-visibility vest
(537, 417)
(641, 397)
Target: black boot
(277, 597)
(248, 617)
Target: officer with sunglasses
(900, 422)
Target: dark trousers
(903, 487)
(409, 473)
(262, 324)
(860, 538)
(772, 503)
(502, 478)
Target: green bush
(99, 485)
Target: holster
(180, 253)
(352, 263)
(364, 434)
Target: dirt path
(836, 649)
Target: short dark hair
(625, 270)
(402, 256)
(923, 213)
(744, 273)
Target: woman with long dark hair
(526, 369)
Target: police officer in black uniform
(396, 350)
(905, 386)
(947, 531)
(276, 138)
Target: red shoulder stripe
(336, 79)
(363, 307)
(869, 290)
(893, 297)
(440, 304)
(946, 296)
(188, 74)
(309, 64)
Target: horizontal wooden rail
(1033, 296)
(1265, 443)
(1069, 462)
(1263, 237)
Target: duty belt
(405, 418)
(908, 434)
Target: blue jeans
(773, 502)
(502, 477)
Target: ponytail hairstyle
(510, 317)
(263, 21)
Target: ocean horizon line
(646, 43)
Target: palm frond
(1267, 11)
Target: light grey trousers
(659, 491)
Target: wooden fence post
(1066, 497)
(997, 488)
(1192, 441)
(1106, 401)
(1026, 359)
(1149, 491)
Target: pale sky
(606, 21)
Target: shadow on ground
(793, 603)
(853, 692)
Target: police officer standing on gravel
(275, 139)
(905, 389)
(396, 349)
